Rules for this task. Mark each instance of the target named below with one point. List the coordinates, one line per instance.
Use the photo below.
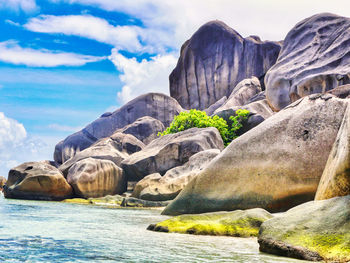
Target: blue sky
(65, 62)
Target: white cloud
(17, 147)
(12, 23)
(64, 128)
(142, 77)
(11, 52)
(19, 5)
(122, 37)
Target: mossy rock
(317, 230)
(239, 223)
(77, 201)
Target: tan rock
(2, 182)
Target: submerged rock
(335, 180)
(37, 181)
(214, 60)
(96, 178)
(317, 230)
(155, 187)
(155, 105)
(169, 151)
(275, 165)
(315, 58)
(239, 223)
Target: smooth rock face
(237, 223)
(317, 230)
(155, 105)
(275, 166)
(145, 129)
(335, 179)
(169, 151)
(315, 58)
(115, 148)
(96, 178)
(155, 187)
(241, 94)
(214, 60)
(37, 181)
(341, 91)
(2, 182)
(209, 111)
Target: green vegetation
(196, 118)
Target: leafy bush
(196, 118)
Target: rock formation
(155, 187)
(37, 181)
(214, 60)
(2, 182)
(315, 58)
(275, 166)
(212, 108)
(169, 151)
(155, 105)
(318, 230)
(96, 178)
(335, 179)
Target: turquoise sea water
(32, 231)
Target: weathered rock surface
(212, 108)
(145, 129)
(275, 166)
(96, 178)
(315, 58)
(115, 148)
(37, 181)
(170, 151)
(155, 187)
(242, 93)
(155, 105)
(240, 223)
(214, 60)
(2, 182)
(317, 230)
(335, 180)
(341, 91)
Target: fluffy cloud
(11, 52)
(142, 77)
(122, 37)
(19, 5)
(16, 147)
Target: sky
(63, 63)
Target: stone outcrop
(214, 60)
(212, 108)
(115, 148)
(341, 91)
(96, 178)
(275, 166)
(155, 105)
(241, 94)
(155, 187)
(315, 58)
(238, 223)
(37, 181)
(335, 180)
(169, 151)
(317, 230)
(2, 182)
(145, 129)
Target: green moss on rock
(239, 223)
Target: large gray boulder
(155, 187)
(315, 58)
(214, 60)
(145, 129)
(317, 230)
(241, 94)
(115, 148)
(155, 105)
(212, 108)
(275, 165)
(37, 181)
(92, 177)
(169, 151)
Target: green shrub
(196, 118)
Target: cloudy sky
(65, 62)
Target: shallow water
(32, 231)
